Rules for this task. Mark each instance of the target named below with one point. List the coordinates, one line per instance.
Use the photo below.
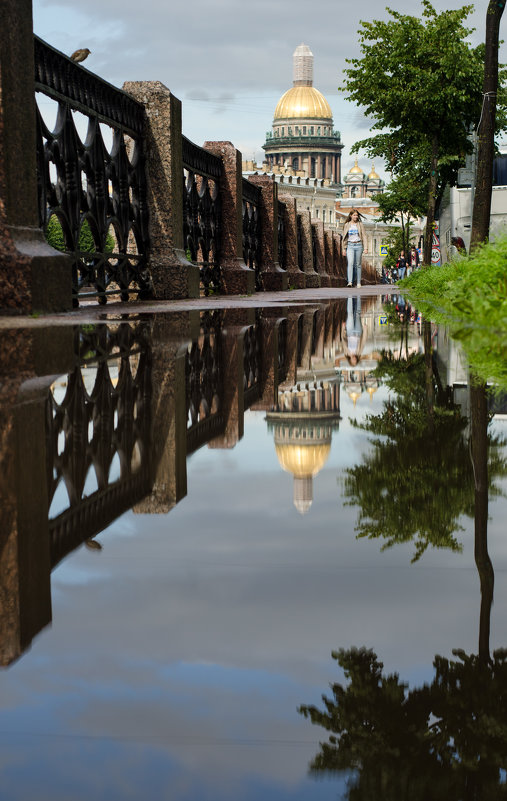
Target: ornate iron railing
(314, 248)
(204, 390)
(92, 201)
(252, 354)
(98, 434)
(202, 212)
(252, 229)
(299, 234)
(282, 245)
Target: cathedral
(303, 151)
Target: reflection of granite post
(273, 277)
(312, 278)
(291, 356)
(307, 337)
(270, 377)
(295, 275)
(172, 274)
(237, 277)
(25, 591)
(320, 319)
(234, 324)
(33, 276)
(329, 251)
(171, 337)
(318, 226)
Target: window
(312, 167)
(295, 163)
(311, 130)
(304, 130)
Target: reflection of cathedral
(303, 422)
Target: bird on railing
(80, 55)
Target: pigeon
(80, 55)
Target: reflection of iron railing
(282, 248)
(252, 364)
(252, 229)
(205, 419)
(89, 191)
(202, 212)
(98, 434)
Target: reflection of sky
(178, 654)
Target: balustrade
(202, 213)
(87, 190)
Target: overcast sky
(228, 61)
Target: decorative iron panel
(252, 241)
(252, 353)
(282, 245)
(94, 198)
(299, 231)
(204, 388)
(98, 433)
(202, 224)
(314, 248)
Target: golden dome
(303, 102)
(373, 175)
(356, 169)
(302, 460)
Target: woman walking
(353, 244)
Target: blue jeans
(354, 255)
(401, 272)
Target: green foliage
(469, 295)
(55, 237)
(394, 242)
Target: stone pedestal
(173, 275)
(296, 277)
(237, 277)
(318, 226)
(312, 278)
(329, 252)
(33, 276)
(272, 276)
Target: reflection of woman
(353, 244)
(353, 333)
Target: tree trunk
(486, 129)
(432, 196)
(479, 419)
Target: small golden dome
(303, 102)
(373, 175)
(356, 169)
(302, 460)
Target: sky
(228, 61)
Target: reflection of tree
(447, 740)
(418, 479)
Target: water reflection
(447, 738)
(182, 646)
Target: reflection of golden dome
(302, 460)
(303, 102)
(356, 169)
(373, 175)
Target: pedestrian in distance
(413, 260)
(401, 265)
(353, 244)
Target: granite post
(318, 226)
(296, 277)
(237, 277)
(174, 277)
(33, 276)
(312, 278)
(272, 276)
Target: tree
(486, 132)
(420, 82)
(403, 200)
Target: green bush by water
(469, 295)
